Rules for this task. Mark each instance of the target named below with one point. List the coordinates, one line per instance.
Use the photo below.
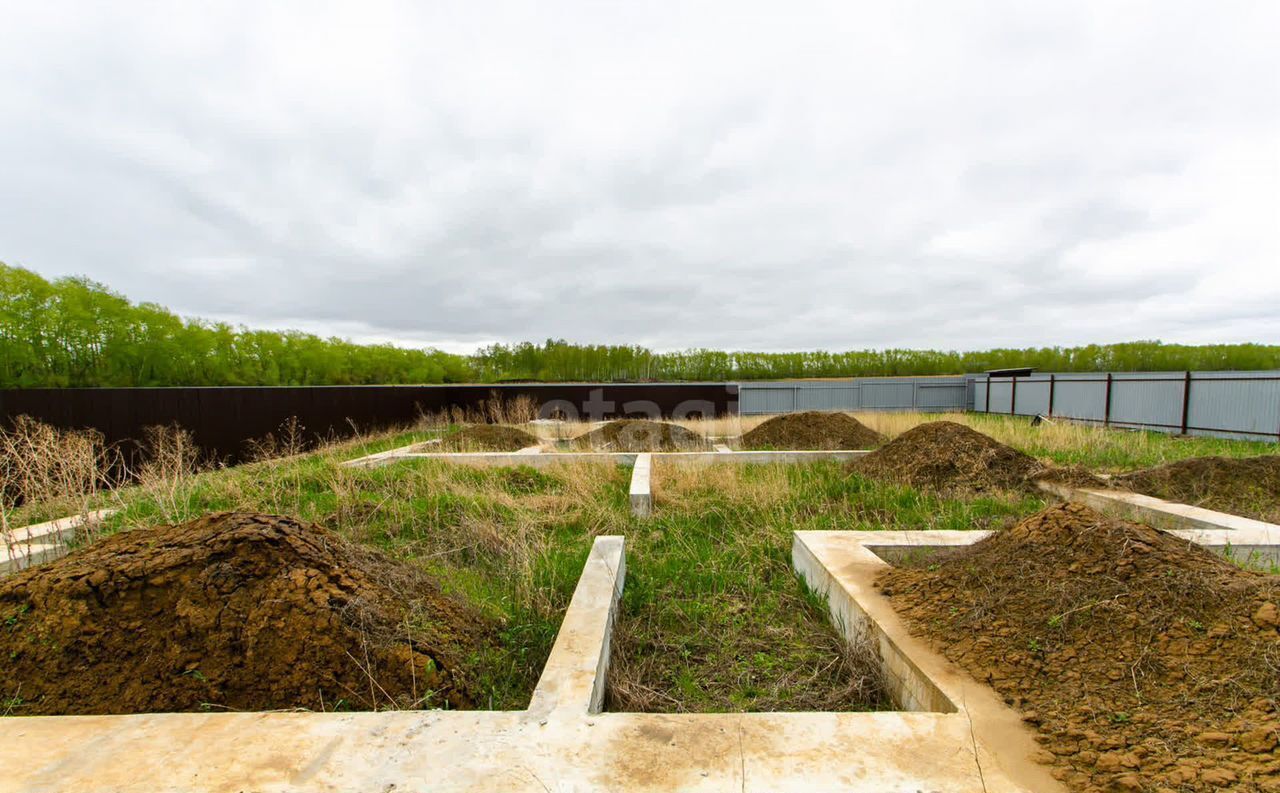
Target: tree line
(74, 332)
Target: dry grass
(172, 459)
(47, 472)
(494, 410)
(1067, 443)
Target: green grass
(1108, 449)
(710, 592)
(713, 616)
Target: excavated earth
(950, 458)
(484, 438)
(812, 430)
(641, 435)
(1145, 662)
(1246, 486)
(233, 611)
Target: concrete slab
(641, 495)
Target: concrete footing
(641, 495)
(39, 542)
(547, 458)
(1243, 539)
(563, 741)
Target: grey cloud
(838, 178)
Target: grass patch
(1065, 443)
(714, 618)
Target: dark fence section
(224, 420)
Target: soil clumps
(232, 611)
(1144, 661)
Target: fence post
(1051, 382)
(1186, 400)
(1106, 410)
(1013, 393)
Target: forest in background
(74, 332)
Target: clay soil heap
(234, 611)
(812, 430)
(484, 438)
(949, 457)
(1145, 662)
(640, 435)
(1248, 486)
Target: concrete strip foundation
(620, 458)
(641, 495)
(562, 742)
(1243, 539)
(39, 542)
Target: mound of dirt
(640, 435)
(812, 430)
(1145, 662)
(1249, 486)
(485, 438)
(949, 457)
(234, 611)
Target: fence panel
(1147, 401)
(1231, 406)
(1241, 405)
(1032, 397)
(863, 393)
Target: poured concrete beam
(576, 671)
(641, 495)
(838, 566)
(28, 545)
(562, 742)
(1239, 537)
(619, 458)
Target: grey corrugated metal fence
(1242, 405)
(860, 393)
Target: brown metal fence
(224, 420)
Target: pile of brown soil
(1145, 662)
(1248, 486)
(949, 457)
(812, 430)
(640, 435)
(485, 438)
(234, 611)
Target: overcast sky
(736, 175)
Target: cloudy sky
(735, 175)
